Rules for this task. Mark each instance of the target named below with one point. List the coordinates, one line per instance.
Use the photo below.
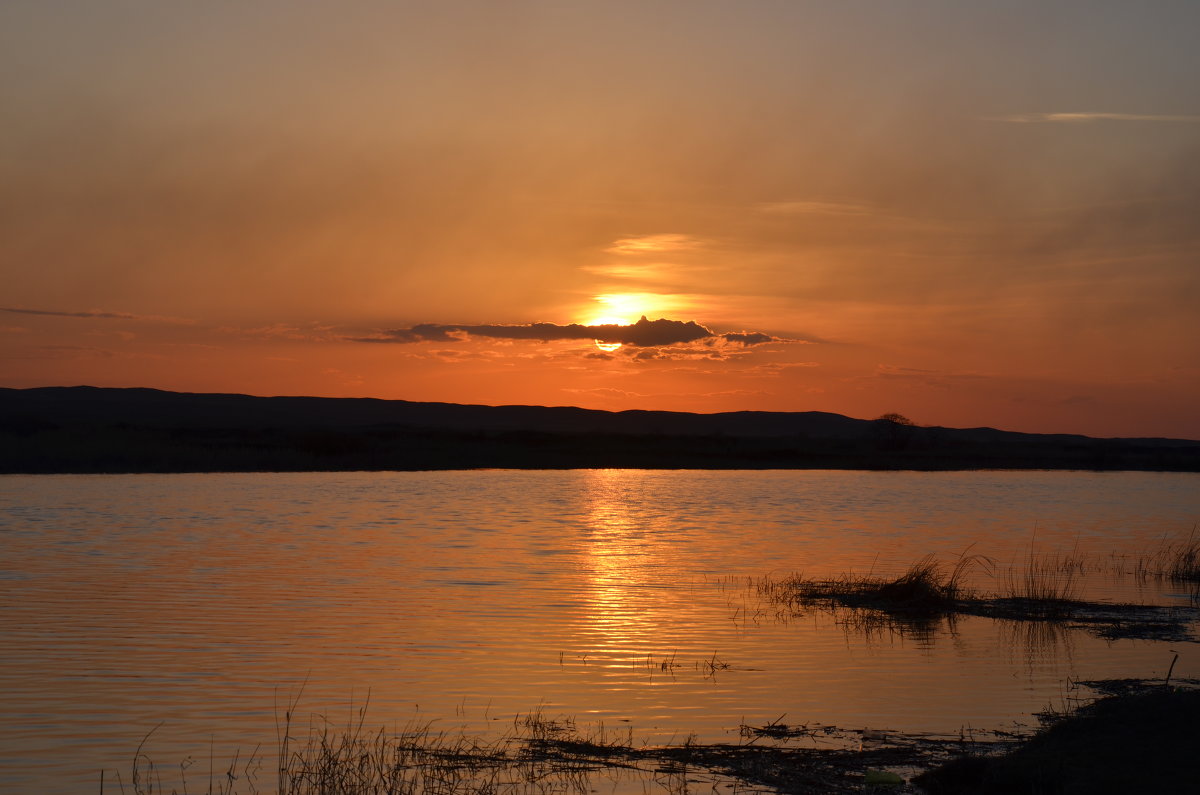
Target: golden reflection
(623, 552)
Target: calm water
(202, 602)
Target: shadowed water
(205, 602)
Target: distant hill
(90, 429)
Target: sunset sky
(982, 213)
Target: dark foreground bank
(1139, 741)
(88, 429)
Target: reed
(1174, 560)
(536, 755)
(1185, 561)
(1050, 580)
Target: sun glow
(620, 309)
(625, 309)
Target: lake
(202, 604)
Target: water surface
(204, 602)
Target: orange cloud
(653, 244)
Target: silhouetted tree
(892, 416)
(893, 431)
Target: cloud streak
(817, 208)
(93, 313)
(52, 313)
(643, 334)
(653, 244)
(1076, 118)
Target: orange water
(205, 602)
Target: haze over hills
(90, 429)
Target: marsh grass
(1047, 584)
(548, 756)
(1177, 560)
(917, 604)
(929, 595)
(538, 755)
(927, 586)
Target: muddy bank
(1141, 740)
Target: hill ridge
(86, 429)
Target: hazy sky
(981, 213)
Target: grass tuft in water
(1046, 584)
(1173, 560)
(929, 595)
(928, 586)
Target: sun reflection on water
(628, 612)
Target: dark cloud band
(94, 313)
(98, 313)
(643, 334)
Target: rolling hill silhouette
(91, 429)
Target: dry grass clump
(928, 583)
(930, 594)
(1044, 586)
(927, 586)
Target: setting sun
(619, 310)
(607, 346)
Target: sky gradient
(967, 213)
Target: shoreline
(1088, 738)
